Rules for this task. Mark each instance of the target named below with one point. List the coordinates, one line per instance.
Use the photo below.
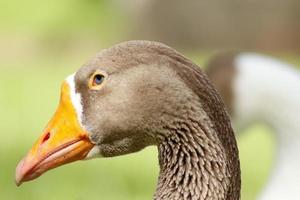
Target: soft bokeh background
(41, 42)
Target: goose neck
(193, 164)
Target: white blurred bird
(260, 88)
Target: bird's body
(260, 88)
(142, 93)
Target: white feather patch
(75, 97)
(76, 101)
(94, 153)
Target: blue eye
(98, 79)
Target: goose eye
(96, 81)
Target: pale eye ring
(97, 80)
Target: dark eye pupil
(98, 79)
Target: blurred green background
(41, 42)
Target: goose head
(137, 94)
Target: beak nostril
(46, 137)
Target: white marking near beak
(75, 97)
(76, 101)
(94, 153)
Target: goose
(136, 94)
(255, 88)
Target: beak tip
(18, 182)
(19, 175)
(18, 179)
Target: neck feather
(193, 163)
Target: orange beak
(62, 142)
